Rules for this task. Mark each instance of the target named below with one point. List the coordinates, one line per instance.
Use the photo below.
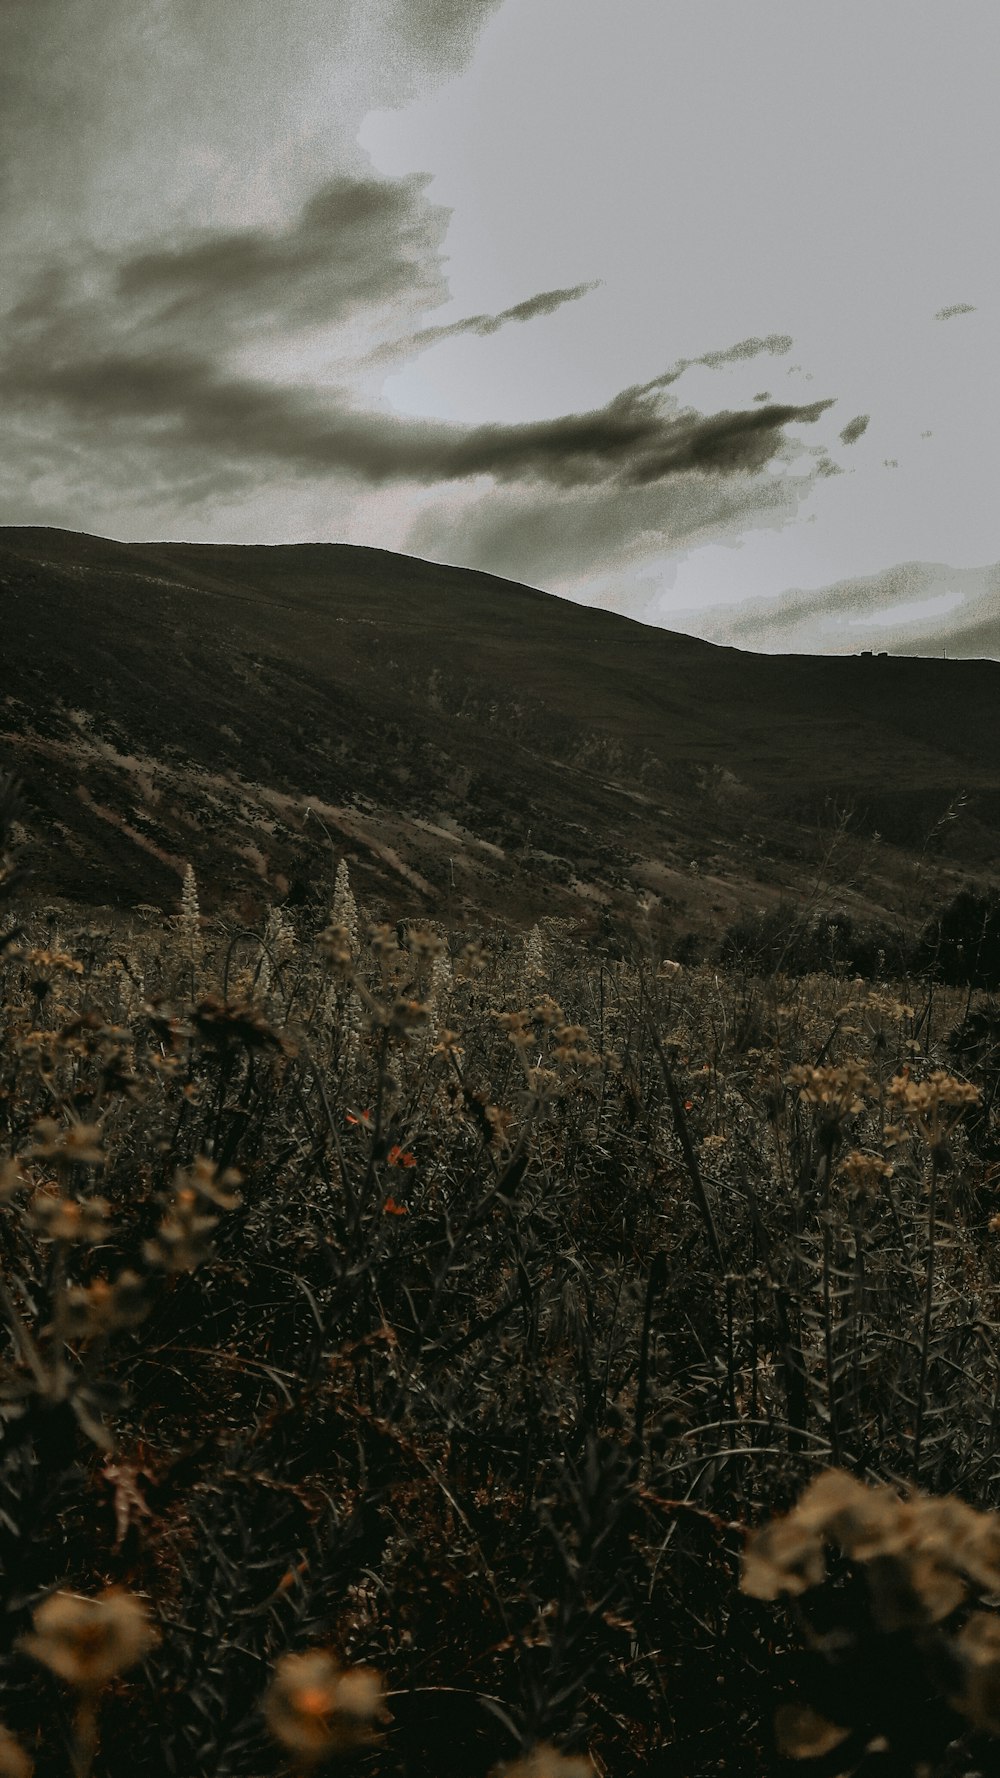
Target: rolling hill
(480, 750)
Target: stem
(85, 1735)
(925, 1336)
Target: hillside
(479, 748)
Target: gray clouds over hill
(140, 357)
(914, 608)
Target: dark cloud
(955, 309)
(546, 303)
(179, 401)
(854, 429)
(136, 352)
(356, 243)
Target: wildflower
(12, 1178)
(189, 919)
(14, 1762)
(344, 912)
(316, 1708)
(398, 1157)
(839, 1092)
(546, 1761)
(183, 1239)
(87, 1641)
(424, 944)
(864, 1173)
(933, 1106)
(407, 1015)
(391, 1208)
(783, 1557)
(535, 962)
(572, 1044)
(978, 1647)
(517, 1027)
(222, 1023)
(865, 1522)
(68, 1219)
(335, 943)
(204, 1178)
(447, 1043)
(100, 1307)
(801, 1733)
(79, 1143)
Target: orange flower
(391, 1208)
(316, 1708)
(397, 1158)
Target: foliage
(402, 1342)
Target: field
(411, 1330)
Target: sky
(683, 308)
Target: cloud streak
(546, 303)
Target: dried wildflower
(76, 1142)
(223, 1023)
(55, 960)
(864, 1174)
(911, 1591)
(317, 1709)
(183, 1239)
(518, 1028)
(87, 1641)
(535, 960)
(407, 1015)
(57, 1218)
(978, 1647)
(547, 1762)
(189, 919)
(424, 945)
(344, 912)
(801, 1733)
(100, 1307)
(783, 1557)
(12, 1178)
(14, 1762)
(840, 1092)
(572, 1045)
(447, 1043)
(335, 944)
(933, 1106)
(204, 1178)
(865, 1522)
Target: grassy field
(407, 1336)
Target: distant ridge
(175, 701)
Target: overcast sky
(683, 307)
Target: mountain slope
(476, 746)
